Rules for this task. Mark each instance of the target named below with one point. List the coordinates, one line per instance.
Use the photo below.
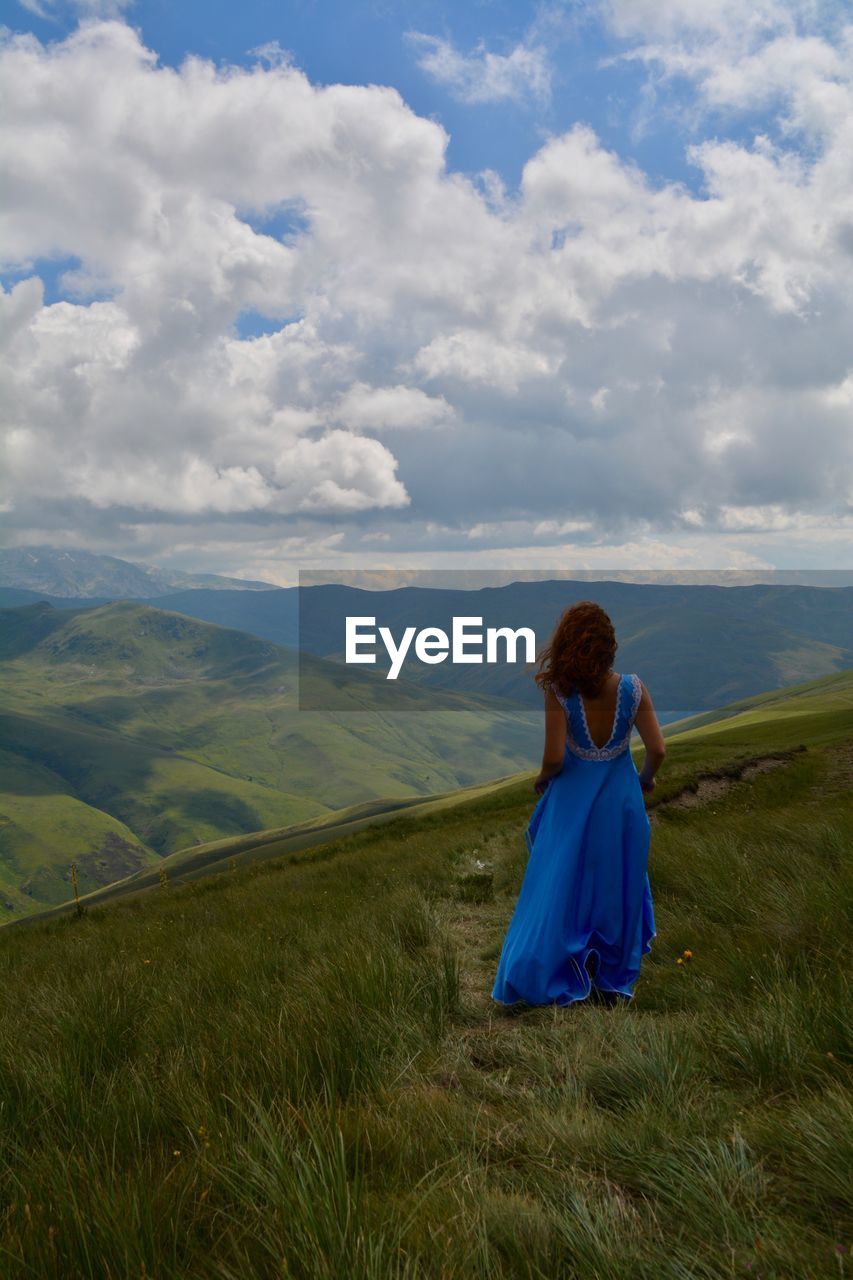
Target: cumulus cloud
(523, 74)
(591, 355)
(383, 408)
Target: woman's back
(600, 710)
(600, 728)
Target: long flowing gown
(586, 886)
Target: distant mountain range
(697, 647)
(62, 574)
(83, 575)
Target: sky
(498, 285)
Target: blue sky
(257, 323)
(364, 43)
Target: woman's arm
(554, 751)
(646, 722)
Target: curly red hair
(580, 653)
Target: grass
(295, 1069)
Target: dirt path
(714, 785)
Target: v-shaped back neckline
(615, 724)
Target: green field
(130, 732)
(294, 1068)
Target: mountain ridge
(730, 641)
(81, 574)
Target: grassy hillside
(782, 712)
(130, 732)
(294, 1068)
(36, 804)
(818, 712)
(201, 860)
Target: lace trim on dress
(638, 694)
(610, 750)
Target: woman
(585, 894)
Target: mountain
(11, 597)
(270, 615)
(83, 574)
(129, 732)
(696, 647)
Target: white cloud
(521, 75)
(741, 56)
(475, 356)
(560, 528)
(613, 354)
(39, 7)
(340, 473)
(368, 408)
(673, 20)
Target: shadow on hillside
(229, 813)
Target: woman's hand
(541, 783)
(648, 784)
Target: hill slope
(774, 724)
(819, 701)
(295, 1069)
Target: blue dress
(586, 886)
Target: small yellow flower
(688, 955)
(146, 961)
(679, 960)
(176, 1153)
(830, 1054)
